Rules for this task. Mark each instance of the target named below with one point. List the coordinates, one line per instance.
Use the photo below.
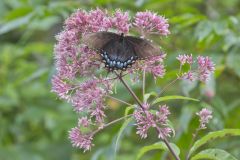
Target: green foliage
(212, 136)
(174, 97)
(214, 154)
(159, 146)
(34, 124)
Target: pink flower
(83, 121)
(153, 65)
(205, 67)
(89, 96)
(205, 115)
(146, 119)
(60, 87)
(189, 76)
(121, 21)
(148, 22)
(98, 20)
(79, 78)
(80, 140)
(185, 59)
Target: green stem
(119, 100)
(140, 104)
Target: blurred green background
(34, 124)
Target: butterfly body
(119, 52)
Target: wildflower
(146, 119)
(185, 59)
(80, 140)
(148, 22)
(121, 21)
(79, 75)
(205, 115)
(205, 67)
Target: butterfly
(119, 52)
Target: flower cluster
(205, 115)
(205, 67)
(79, 75)
(153, 65)
(148, 22)
(145, 119)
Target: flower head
(205, 115)
(148, 22)
(120, 20)
(80, 140)
(205, 67)
(80, 72)
(185, 59)
(146, 119)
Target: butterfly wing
(143, 48)
(99, 39)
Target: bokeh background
(34, 123)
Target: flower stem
(130, 91)
(194, 136)
(140, 104)
(169, 85)
(119, 100)
(110, 123)
(143, 85)
(170, 149)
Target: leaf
(214, 154)
(173, 97)
(148, 95)
(203, 30)
(159, 145)
(11, 25)
(233, 59)
(214, 135)
(120, 133)
(128, 109)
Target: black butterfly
(119, 52)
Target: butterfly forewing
(142, 47)
(99, 39)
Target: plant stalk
(140, 104)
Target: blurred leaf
(120, 134)
(173, 97)
(160, 146)
(203, 30)
(212, 136)
(233, 60)
(15, 23)
(214, 154)
(148, 95)
(128, 109)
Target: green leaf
(214, 135)
(174, 97)
(148, 95)
(159, 145)
(128, 109)
(120, 133)
(11, 25)
(214, 154)
(203, 30)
